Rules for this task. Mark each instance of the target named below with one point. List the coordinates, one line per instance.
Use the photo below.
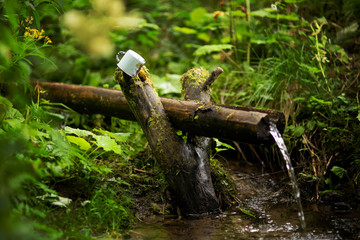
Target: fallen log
(247, 125)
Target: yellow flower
(47, 40)
(36, 34)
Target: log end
(263, 134)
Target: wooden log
(196, 86)
(178, 160)
(247, 125)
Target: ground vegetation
(67, 175)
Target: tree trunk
(247, 125)
(178, 160)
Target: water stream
(281, 144)
(265, 195)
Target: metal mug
(130, 63)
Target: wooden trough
(247, 125)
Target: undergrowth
(65, 175)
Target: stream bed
(274, 216)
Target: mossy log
(178, 160)
(247, 125)
(196, 86)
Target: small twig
(357, 76)
(213, 76)
(237, 146)
(232, 61)
(143, 171)
(257, 156)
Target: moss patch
(224, 185)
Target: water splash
(281, 144)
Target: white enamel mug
(130, 63)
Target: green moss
(194, 78)
(223, 183)
(229, 116)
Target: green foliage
(338, 171)
(296, 56)
(109, 207)
(206, 49)
(248, 213)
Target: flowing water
(275, 215)
(265, 212)
(281, 144)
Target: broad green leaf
(12, 124)
(338, 171)
(340, 51)
(14, 114)
(108, 144)
(149, 25)
(119, 137)
(78, 132)
(203, 36)
(82, 143)
(238, 13)
(260, 13)
(222, 144)
(185, 30)
(298, 131)
(198, 16)
(122, 137)
(206, 49)
(271, 13)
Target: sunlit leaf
(82, 143)
(198, 15)
(203, 36)
(206, 49)
(119, 137)
(185, 30)
(260, 13)
(78, 132)
(222, 144)
(108, 144)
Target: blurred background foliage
(297, 56)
